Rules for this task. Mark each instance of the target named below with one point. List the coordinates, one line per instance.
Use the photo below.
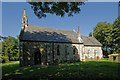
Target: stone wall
(32, 53)
(92, 52)
(49, 52)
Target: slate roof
(49, 34)
(33, 33)
(90, 41)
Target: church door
(37, 57)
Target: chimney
(78, 30)
(79, 36)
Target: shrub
(5, 59)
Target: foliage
(10, 49)
(109, 35)
(57, 8)
(116, 35)
(102, 32)
(90, 70)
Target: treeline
(9, 48)
(109, 35)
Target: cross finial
(24, 12)
(92, 34)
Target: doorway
(37, 57)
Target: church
(46, 46)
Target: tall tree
(102, 32)
(57, 8)
(109, 35)
(10, 49)
(116, 36)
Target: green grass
(90, 70)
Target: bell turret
(24, 20)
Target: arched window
(66, 49)
(58, 50)
(66, 52)
(74, 50)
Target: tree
(116, 35)
(109, 35)
(102, 32)
(10, 49)
(58, 8)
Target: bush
(4, 59)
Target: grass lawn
(90, 70)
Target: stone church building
(45, 46)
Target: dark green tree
(10, 49)
(116, 35)
(41, 9)
(109, 35)
(103, 33)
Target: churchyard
(89, 70)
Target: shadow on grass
(92, 70)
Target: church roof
(45, 34)
(90, 41)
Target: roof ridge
(51, 28)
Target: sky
(61, 0)
(91, 13)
